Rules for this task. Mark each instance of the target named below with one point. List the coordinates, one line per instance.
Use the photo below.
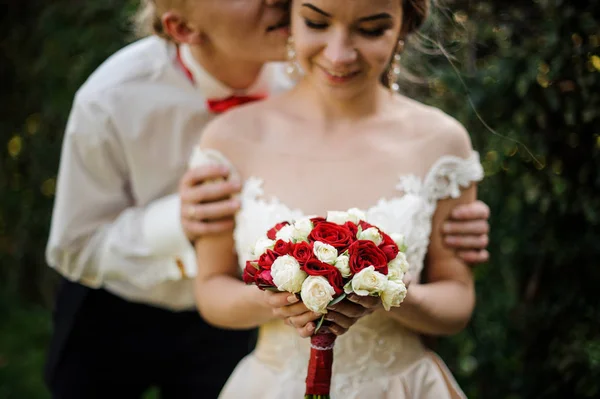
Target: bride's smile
(345, 47)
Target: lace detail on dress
(445, 178)
(409, 213)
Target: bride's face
(345, 46)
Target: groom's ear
(179, 29)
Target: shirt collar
(212, 88)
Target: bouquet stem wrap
(318, 377)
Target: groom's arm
(466, 230)
(98, 233)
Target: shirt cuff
(162, 228)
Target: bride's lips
(339, 78)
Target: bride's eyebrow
(316, 9)
(375, 17)
(383, 15)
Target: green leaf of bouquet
(337, 300)
(320, 323)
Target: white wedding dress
(377, 358)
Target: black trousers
(106, 347)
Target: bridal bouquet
(323, 260)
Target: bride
(341, 139)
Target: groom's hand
(207, 206)
(467, 230)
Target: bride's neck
(330, 109)
(235, 73)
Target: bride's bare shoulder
(240, 126)
(436, 127)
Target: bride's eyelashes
(315, 25)
(373, 32)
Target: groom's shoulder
(137, 62)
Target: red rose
(250, 272)
(316, 220)
(264, 279)
(388, 246)
(365, 253)
(352, 227)
(333, 234)
(266, 260)
(364, 225)
(302, 252)
(282, 247)
(273, 232)
(315, 267)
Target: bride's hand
(343, 315)
(373, 303)
(294, 313)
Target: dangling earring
(395, 68)
(292, 69)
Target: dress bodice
(409, 213)
(377, 346)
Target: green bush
(532, 71)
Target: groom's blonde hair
(147, 20)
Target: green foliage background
(529, 69)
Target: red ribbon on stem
(318, 377)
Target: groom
(125, 317)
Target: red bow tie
(218, 106)
(222, 105)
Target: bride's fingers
(300, 321)
(337, 330)
(369, 302)
(339, 319)
(307, 330)
(280, 299)
(350, 309)
(291, 310)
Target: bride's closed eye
(368, 32)
(376, 32)
(315, 25)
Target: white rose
(368, 282)
(356, 215)
(398, 267)
(371, 234)
(287, 275)
(262, 245)
(338, 217)
(302, 229)
(342, 263)
(400, 241)
(317, 293)
(286, 233)
(325, 252)
(393, 294)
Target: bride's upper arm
(215, 253)
(442, 262)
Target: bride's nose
(340, 50)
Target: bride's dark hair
(414, 14)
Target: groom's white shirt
(130, 133)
